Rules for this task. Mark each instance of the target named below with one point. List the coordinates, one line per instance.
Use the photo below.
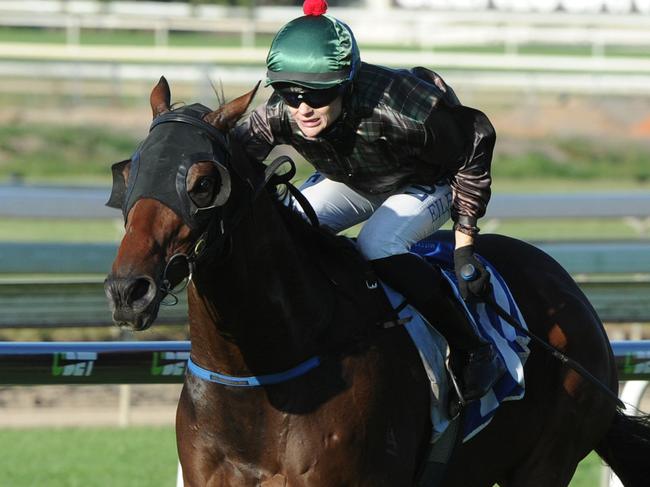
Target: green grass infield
(131, 457)
(97, 457)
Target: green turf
(63, 153)
(128, 37)
(584, 50)
(63, 230)
(545, 185)
(32, 35)
(534, 229)
(207, 39)
(577, 159)
(97, 457)
(133, 457)
(47, 152)
(70, 230)
(589, 472)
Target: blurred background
(565, 82)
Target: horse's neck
(261, 310)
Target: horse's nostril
(130, 293)
(139, 289)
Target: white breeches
(395, 221)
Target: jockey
(394, 148)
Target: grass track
(110, 457)
(88, 231)
(92, 457)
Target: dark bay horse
(268, 292)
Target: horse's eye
(203, 191)
(205, 185)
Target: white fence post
(124, 409)
(73, 31)
(631, 395)
(179, 476)
(161, 34)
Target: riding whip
(467, 273)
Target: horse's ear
(225, 117)
(160, 97)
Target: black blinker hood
(159, 166)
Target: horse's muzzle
(132, 301)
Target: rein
(208, 240)
(301, 369)
(216, 235)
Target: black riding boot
(473, 358)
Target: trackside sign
(73, 364)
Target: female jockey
(390, 147)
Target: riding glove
(479, 283)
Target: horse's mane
(315, 238)
(348, 278)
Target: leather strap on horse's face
(159, 168)
(161, 163)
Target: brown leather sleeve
(446, 91)
(462, 140)
(255, 133)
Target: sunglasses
(314, 98)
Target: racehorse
(268, 293)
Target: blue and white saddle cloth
(510, 344)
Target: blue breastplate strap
(256, 380)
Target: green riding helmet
(316, 51)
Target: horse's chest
(345, 429)
(277, 480)
(299, 454)
(330, 447)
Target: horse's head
(174, 193)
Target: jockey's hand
(480, 282)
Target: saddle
(357, 285)
(358, 289)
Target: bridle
(215, 242)
(159, 170)
(210, 241)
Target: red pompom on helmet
(314, 7)
(314, 51)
